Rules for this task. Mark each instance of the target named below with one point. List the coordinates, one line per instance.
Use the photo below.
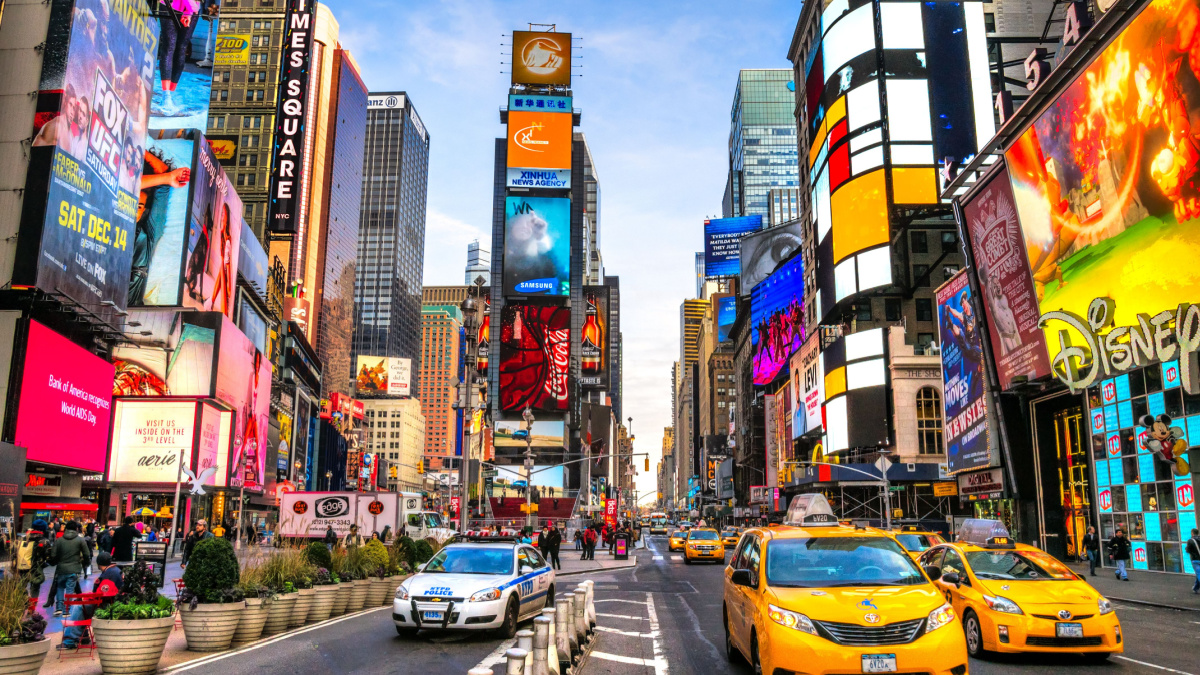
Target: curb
(1148, 603)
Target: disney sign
(1168, 335)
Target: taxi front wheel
(974, 634)
(731, 652)
(755, 663)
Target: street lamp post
(528, 417)
(328, 480)
(466, 394)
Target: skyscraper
(391, 248)
(593, 259)
(479, 264)
(437, 376)
(762, 140)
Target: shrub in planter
(326, 592)
(212, 604)
(358, 569)
(280, 572)
(23, 645)
(303, 581)
(318, 555)
(258, 603)
(132, 632)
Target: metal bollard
(591, 604)
(552, 648)
(569, 645)
(480, 671)
(516, 661)
(579, 600)
(525, 641)
(541, 646)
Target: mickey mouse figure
(1166, 441)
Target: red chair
(82, 600)
(179, 588)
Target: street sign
(896, 488)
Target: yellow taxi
(677, 541)
(916, 541)
(818, 597)
(703, 544)
(729, 537)
(1017, 598)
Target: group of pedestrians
(1120, 552)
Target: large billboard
(722, 244)
(762, 251)
(535, 357)
(539, 140)
(184, 68)
(808, 387)
(162, 215)
(210, 271)
(149, 440)
(80, 208)
(184, 364)
(244, 383)
(726, 313)
(383, 376)
(64, 406)
(288, 161)
(513, 434)
(1106, 179)
(541, 58)
(855, 409)
(1009, 299)
(964, 399)
(537, 246)
(777, 320)
(593, 341)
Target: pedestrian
(1193, 551)
(33, 556)
(69, 556)
(122, 541)
(108, 585)
(1118, 551)
(386, 534)
(551, 541)
(578, 540)
(1091, 547)
(251, 534)
(105, 541)
(330, 538)
(199, 533)
(89, 530)
(590, 538)
(353, 539)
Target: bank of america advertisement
(85, 169)
(537, 246)
(965, 399)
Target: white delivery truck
(310, 514)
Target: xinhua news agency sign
(287, 172)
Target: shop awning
(57, 504)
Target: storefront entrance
(1064, 477)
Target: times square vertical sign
(287, 167)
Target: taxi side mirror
(933, 571)
(952, 578)
(742, 578)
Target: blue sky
(655, 89)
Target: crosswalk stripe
(658, 557)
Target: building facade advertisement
(150, 439)
(380, 375)
(215, 228)
(161, 229)
(593, 345)
(183, 367)
(722, 244)
(762, 251)
(777, 320)
(183, 70)
(244, 382)
(233, 49)
(64, 402)
(808, 381)
(535, 357)
(537, 246)
(770, 411)
(539, 140)
(541, 58)
(726, 312)
(549, 179)
(527, 101)
(288, 160)
(42, 485)
(981, 485)
(1009, 298)
(965, 398)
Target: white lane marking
(498, 655)
(677, 558)
(1151, 665)
(632, 660)
(627, 633)
(660, 661)
(632, 602)
(621, 616)
(657, 558)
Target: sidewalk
(1173, 591)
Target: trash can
(621, 546)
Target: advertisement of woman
(161, 219)
(213, 238)
(183, 77)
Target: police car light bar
(984, 532)
(810, 510)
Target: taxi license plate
(1068, 630)
(431, 616)
(879, 663)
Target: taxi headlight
(939, 617)
(1104, 605)
(486, 595)
(401, 593)
(1001, 604)
(791, 619)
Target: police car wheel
(508, 629)
(974, 635)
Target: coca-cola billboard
(535, 357)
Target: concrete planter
(341, 599)
(23, 659)
(358, 595)
(303, 604)
(131, 647)
(378, 592)
(393, 583)
(250, 625)
(322, 604)
(280, 613)
(210, 627)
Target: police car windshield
(703, 534)
(917, 542)
(823, 562)
(468, 560)
(1018, 565)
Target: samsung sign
(288, 167)
(375, 101)
(540, 178)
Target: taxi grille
(899, 633)
(1038, 641)
(1076, 617)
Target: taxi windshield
(472, 561)
(823, 562)
(678, 535)
(703, 534)
(729, 533)
(918, 542)
(1018, 565)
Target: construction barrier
(516, 661)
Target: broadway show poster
(162, 217)
(965, 393)
(1009, 298)
(777, 320)
(244, 382)
(537, 246)
(535, 357)
(1107, 181)
(92, 110)
(214, 235)
(183, 66)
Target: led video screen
(541, 58)
(213, 241)
(594, 338)
(722, 244)
(183, 68)
(535, 357)
(162, 214)
(762, 251)
(726, 316)
(539, 140)
(537, 246)
(777, 320)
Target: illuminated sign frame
(288, 158)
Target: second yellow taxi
(703, 544)
(729, 537)
(916, 541)
(677, 540)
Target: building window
(929, 421)
(862, 311)
(248, 160)
(249, 141)
(925, 343)
(949, 242)
(948, 271)
(891, 309)
(256, 95)
(919, 243)
(220, 94)
(216, 122)
(252, 122)
(924, 309)
(920, 275)
(247, 179)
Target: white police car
(479, 584)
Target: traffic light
(647, 464)
(421, 465)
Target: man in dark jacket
(70, 554)
(122, 541)
(108, 584)
(551, 541)
(331, 538)
(1118, 551)
(1091, 547)
(105, 541)
(199, 533)
(1193, 551)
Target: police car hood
(435, 584)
